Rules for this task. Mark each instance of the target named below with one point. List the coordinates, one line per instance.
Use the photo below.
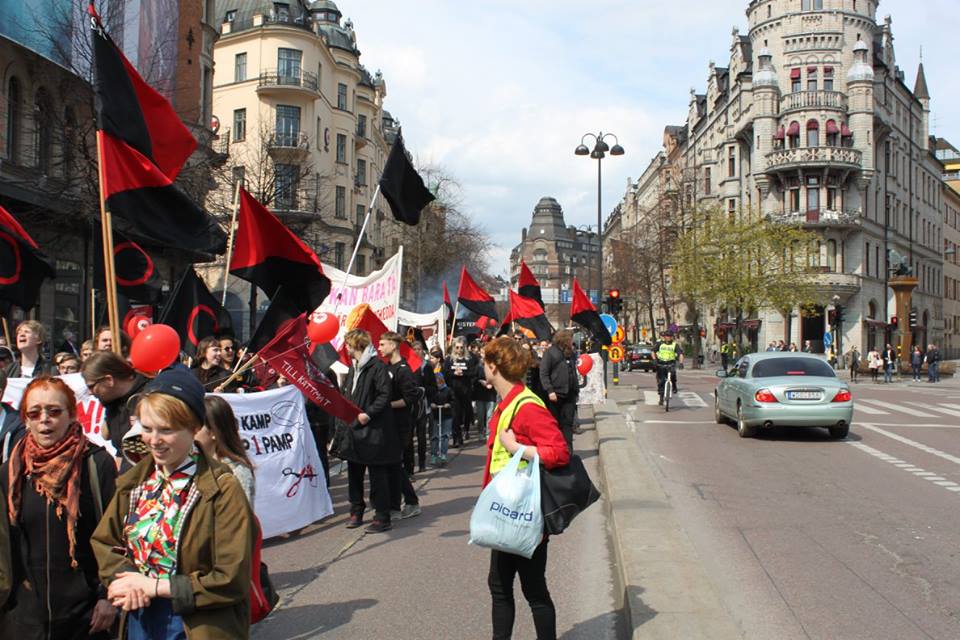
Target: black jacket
(39, 551)
(118, 414)
(11, 432)
(403, 387)
(467, 366)
(558, 373)
(481, 393)
(42, 368)
(376, 442)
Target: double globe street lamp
(599, 152)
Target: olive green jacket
(211, 589)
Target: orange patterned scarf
(55, 473)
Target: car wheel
(839, 433)
(743, 429)
(717, 414)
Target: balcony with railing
(833, 218)
(274, 80)
(802, 100)
(845, 158)
(286, 146)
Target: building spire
(920, 86)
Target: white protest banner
(380, 290)
(435, 322)
(90, 412)
(291, 492)
(592, 392)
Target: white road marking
(934, 407)
(859, 407)
(896, 407)
(933, 478)
(678, 422)
(913, 443)
(925, 425)
(691, 399)
(651, 398)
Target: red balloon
(136, 324)
(156, 347)
(322, 328)
(584, 364)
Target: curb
(663, 588)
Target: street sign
(661, 322)
(618, 335)
(616, 353)
(827, 339)
(643, 333)
(610, 323)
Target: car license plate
(803, 395)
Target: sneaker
(395, 514)
(355, 521)
(661, 401)
(378, 526)
(410, 511)
(443, 461)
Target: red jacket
(533, 425)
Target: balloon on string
(322, 328)
(156, 347)
(584, 364)
(136, 324)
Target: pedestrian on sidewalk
(424, 379)
(889, 361)
(916, 361)
(933, 363)
(460, 373)
(404, 396)
(485, 398)
(174, 544)
(441, 407)
(521, 419)
(559, 379)
(371, 441)
(874, 362)
(854, 363)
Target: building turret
(861, 106)
(766, 93)
(923, 95)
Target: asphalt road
(808, 537)
(422, 579)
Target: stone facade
(950, 157)
(556, 254)
(812, 122)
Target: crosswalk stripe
(900, 408)
(651, 398)
(691, 399)
(860, 407)
(933, 407)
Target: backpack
(263, 597)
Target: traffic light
(913, 318)
(894, 322)
(614, 302)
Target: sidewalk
(422, 579)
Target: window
(341, 203)
(732, 162)
(285, 183)
(873, 311)
(42, 132)
(795, 199)
(361, 179)
(319, 136)
(341, 148)
(361, 264)
(833, 203)
(13, 120)
(813, 198)
(69, 140)
(782, 367)
(361, 126)
(731, 207)
(361, 213)
(706, 180)
(813, 133)
(281, 10)
(342, 96)
(239, 175)
(239, 125)
(230, 16)
(832, 255)
(811, 78)
(240, 67)
(288, 65)
(338, 251)
(795, 81)
(288, 126)
(793, 135)
(828, 78)
(833, 133)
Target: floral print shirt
(154, 523)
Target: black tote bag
(564, 493)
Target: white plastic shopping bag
(507, 516)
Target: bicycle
(669, 380)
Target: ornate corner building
(813, 123)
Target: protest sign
(291, 491)
(432, 325)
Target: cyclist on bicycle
(667, 353)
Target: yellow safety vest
(667, 352)
(499, 457)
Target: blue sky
(499, 93)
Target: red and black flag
(23, 267)
(471, 296)
(528, 314)
(528, 286)
(585, 314)
(130, 110)
(283, 308)
(136, 273)
(446, 301)
(402, 186)
(146, 204)
(269, 255)
(506, 326)
(194, 312)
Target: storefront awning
(832, 127)
(795, 74)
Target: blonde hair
(357, 339)
(174, 411)
(35, 327)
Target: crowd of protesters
(156, 540)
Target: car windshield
(776, 367)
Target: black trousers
(379, 489)
(565, 413)
(533, 582)
(401, 486)
(421, 452)
(462, 413)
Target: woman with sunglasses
(54, 486)
(175, 543)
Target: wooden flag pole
(6, 332)
(106, 227)
(93, 312)
(356, 248)
(233, 231)
(453, 325)
(252, 362)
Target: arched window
(833, 133)
(13, 120)
(793, 135)
(813, 133)
(42, 132)
(872, 309)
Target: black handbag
(564, 493)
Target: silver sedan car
(783, 389)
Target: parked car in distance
(640, 356)
(783, 389)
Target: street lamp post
(838, 318)
(599, 151)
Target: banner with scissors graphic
(291, 491)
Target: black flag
(137, 276)
(402, 186)
(194, 312)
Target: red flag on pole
(527, 313)
(585, 314)
(528, 285)
(473, 297)
(372, 324)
